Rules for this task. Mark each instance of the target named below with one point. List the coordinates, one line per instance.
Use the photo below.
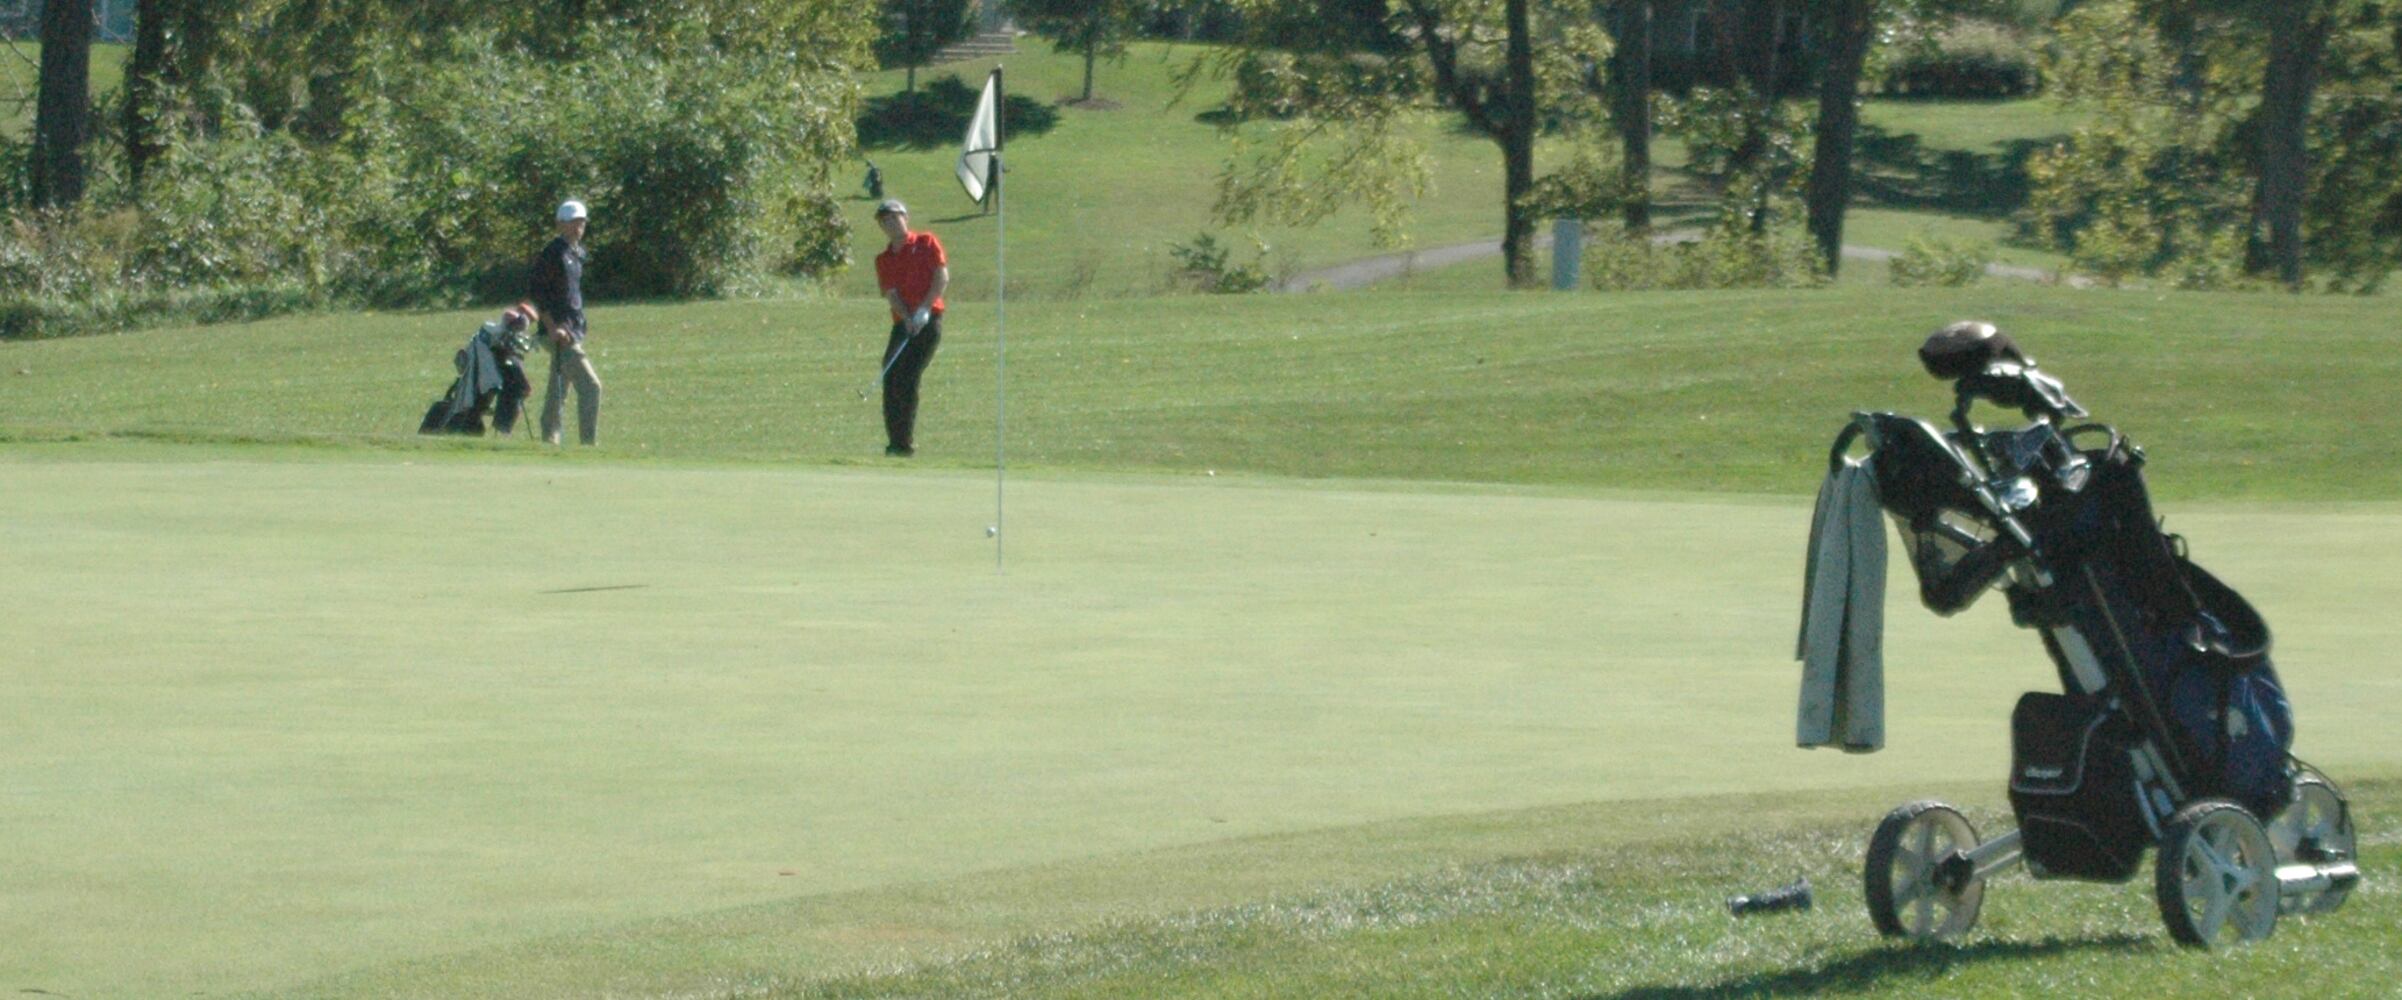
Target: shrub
(1966, 59)
(1932, 261)
(1714, 122)
(1728, 256)
(705, 176)
(709, 173)
(1205, 265)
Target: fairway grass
(276, 720)
(1725, 392)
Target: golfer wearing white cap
(558, 291)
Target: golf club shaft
(888, 362)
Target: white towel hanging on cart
(1841, 646)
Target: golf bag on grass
(2172, 730)
(491, 379)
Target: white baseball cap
(571, 210)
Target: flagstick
(1000, 412)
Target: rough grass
(1647, 920)
(1616, 900)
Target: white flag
(978, 161)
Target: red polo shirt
(909, 269)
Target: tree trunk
(2298, 32)
(1763, 40)
(1724, 18)
(1092, 51)
(1630, 85)
(1763, 33)
(63, 110)
(1518, 148)
(909, 80)
(1849, 27)
(145, 83)
(1747, 39)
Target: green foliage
(1934, 261)
(1312, 133)
(2353, 218)
(1714, 122)
(709, 169)
(2161, 186)
(1590, 185)
(1729, 255)
(1205, 265)
(1965, 59)
(1277, 85)
(1316, 119)
(2149, 189)
(242, 226)
(910, 32)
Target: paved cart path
(1371, 270)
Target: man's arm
(942, 280)
(924, 312)
(546, 293)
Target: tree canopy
(287, 153)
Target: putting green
(269, 720)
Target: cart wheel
(2316, 828)
(2216, 876)
(1920, 883)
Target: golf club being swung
(864, 391)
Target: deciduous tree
(912, 31)
(1094, 28)
(2199, 166)
(1334, 102)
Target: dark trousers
(900, 384)
(513, 390)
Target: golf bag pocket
(2072, 784)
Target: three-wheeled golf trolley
(2171, 732)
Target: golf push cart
(2171, 731)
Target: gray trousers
(570, 365)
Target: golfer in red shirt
(913, 272)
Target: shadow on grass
(1899, 171)
(1877, 966)
(936, 115)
